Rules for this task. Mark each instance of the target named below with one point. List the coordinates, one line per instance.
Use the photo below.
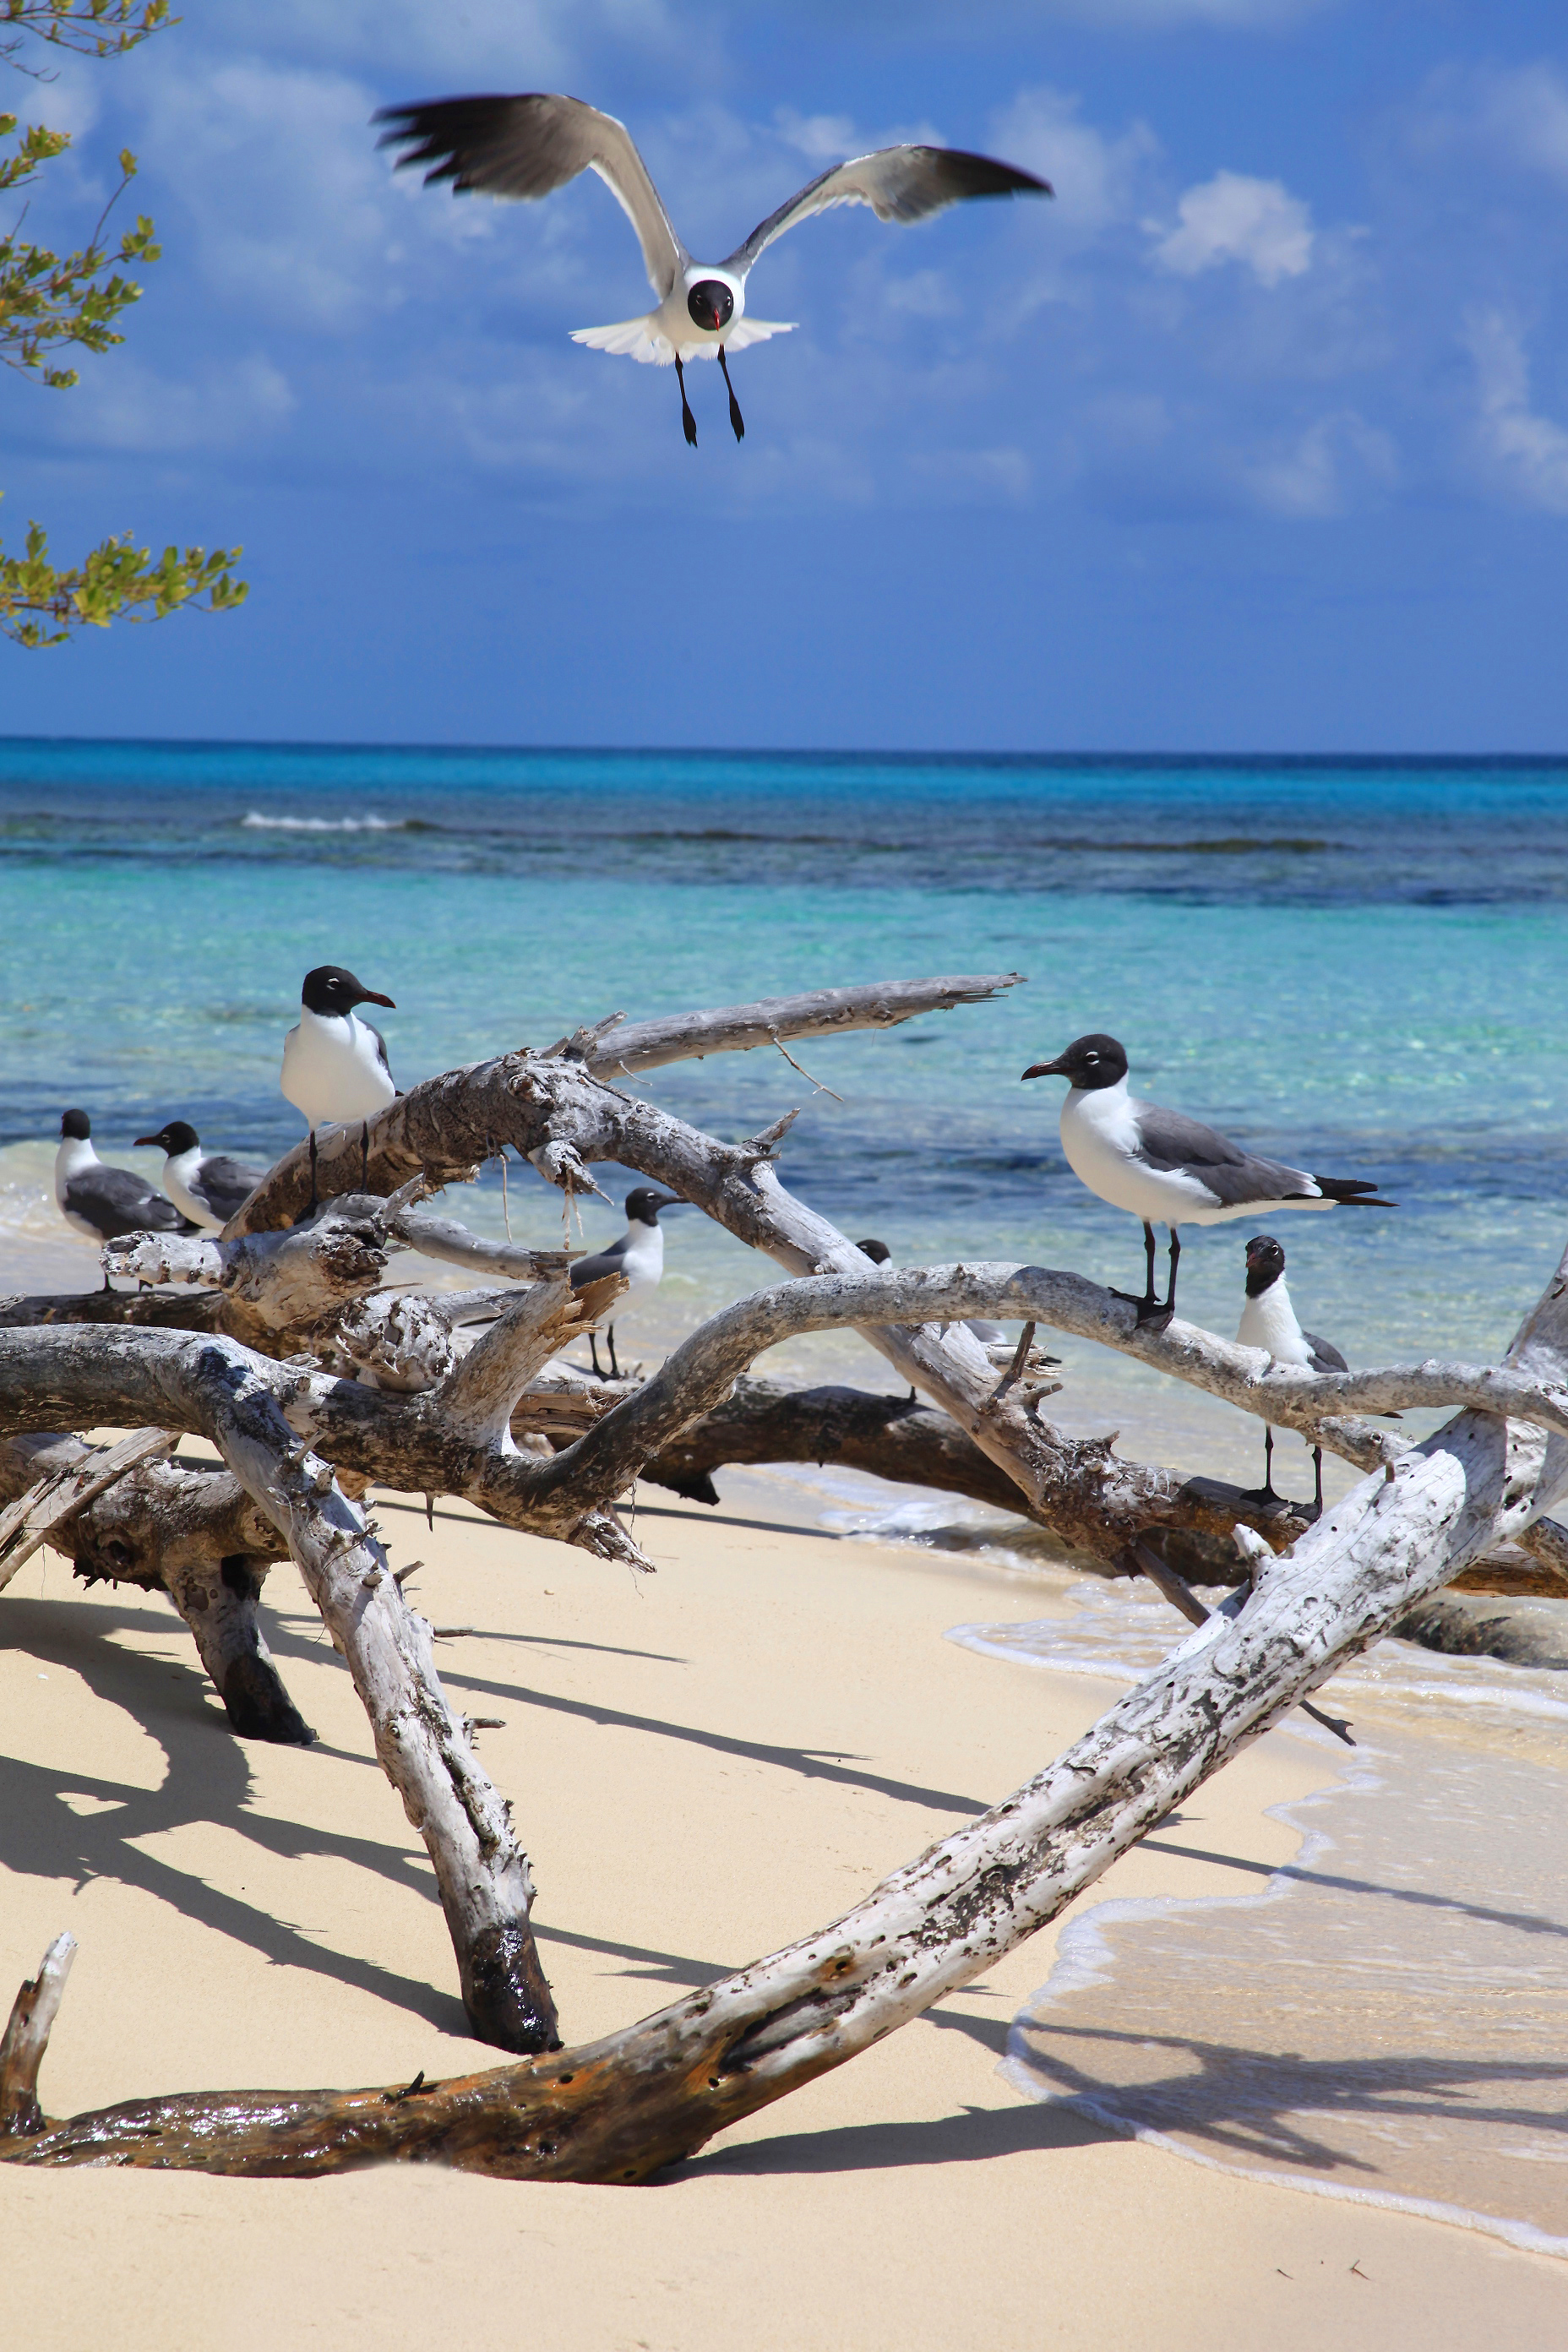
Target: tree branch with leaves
(50, 302)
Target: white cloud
(1095, 177)
(1234, 218)
(1320, 471)
(526, 44)
(121, 404)
(1529, 452)
(1518, 116)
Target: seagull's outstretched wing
(899, 184)
(528, 147)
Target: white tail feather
(644, 341)
(633, 339)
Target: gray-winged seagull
(102, 1201)
(208, 1185)
(638, 1255)
(527, 146)
(1165, 1167)
(335, 1069)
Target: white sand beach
(706, 1763)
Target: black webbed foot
(1154, 1314)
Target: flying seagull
(208, 1185)
(102, 1201)
(527, 146)
(335, 1064)
(638, 1255)
(1162, 1167)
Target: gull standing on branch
(335, 1064)
(102, 1202)
(530, 145)
(1269, 1321)
(208, 1186)
(638, 1257)
(1165, 1167)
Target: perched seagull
(638, 1255)
(1162, 1167)
(529, 146)
(208, 1185)
(1269, 1321)
(335, 1064)
(100, 1201)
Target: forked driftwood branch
(620, 2109)
(297, 1363)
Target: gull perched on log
(208, 1186)
(638, 1257)
(100, 1201)
(530, 145)
(335, 1068)
(1165, 1167)
(1269, 1321)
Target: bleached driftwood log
(186, 1529)
(618, 2109)
(25, 2039)
(219, 1391)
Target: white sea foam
(254, 822)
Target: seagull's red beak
(370, 997)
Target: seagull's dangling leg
(610, 1343)
(737, 422)
(311, 1210)
(686, 418)
(594, 1352)
(1318, 1478)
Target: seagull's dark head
(76, 1126)
(644, 1203)
(1088, 1063)
(877, 1251)
(712, 304)
(329, 988)
(177, 1136)
(1265, 1264)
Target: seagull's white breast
(333, 1069)
(74, 1157)
(179, 1174)
(1269, 1321)
(642, 1262)
(1099, 1137)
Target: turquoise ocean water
(1359, 966)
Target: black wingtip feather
(983, 176)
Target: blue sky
(1256, 439)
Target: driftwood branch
(220, 1390)
(620, 1048)
(26, 2038)
(31, 1517)
(643, 2098)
